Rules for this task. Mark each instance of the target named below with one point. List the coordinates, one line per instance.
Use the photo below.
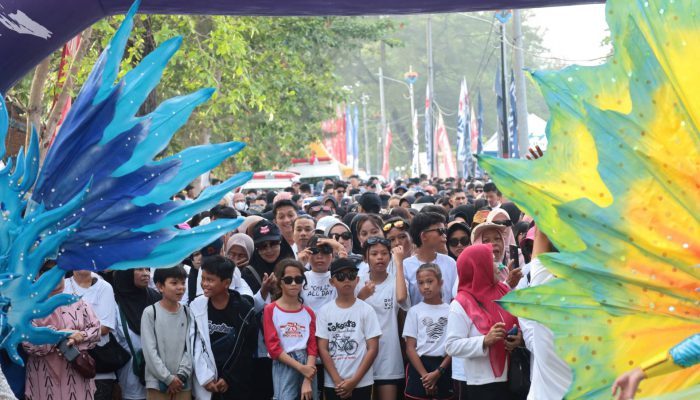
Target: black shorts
(384, 382)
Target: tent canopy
(31, 30)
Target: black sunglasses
(341, 276)
(345, 235)
(464, 241)
(299, 279)
(378, 240)
(321, 249)
(479, 190)
(440, 231)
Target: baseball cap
(343, 263)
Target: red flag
(446, 164)
(387, 146)
(69, 51)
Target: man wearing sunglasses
(429, 234)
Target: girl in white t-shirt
(385, 292)
(428, 373)
(290, 336)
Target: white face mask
(241, 205)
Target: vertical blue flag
(513, 120)
(355, 144)
(463, 137)
(500, 104)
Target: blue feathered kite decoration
(101, 200)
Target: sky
(573, 32)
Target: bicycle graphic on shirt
(342, 344)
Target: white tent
(537, 136)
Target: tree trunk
(36, 96)
(55, 114)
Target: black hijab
(132, 300)
(264, 267)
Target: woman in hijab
(269, 249)
(458, 238)
(479, 331)
(49, 375)
(133, 295)
(464, 213)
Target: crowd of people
(342, 290)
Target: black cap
(266, 231)
(341, 264)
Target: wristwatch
(442, 370)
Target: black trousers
(363, 393)
(490, 391)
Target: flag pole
(505, 147)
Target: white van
(270, 180)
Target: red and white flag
(387, 146)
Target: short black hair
(340, 184)
(162, 274)
(490, 187)
(421, 222)
(305, 187)
(289, 189)
(283, 203)
(470, 185)
(455, 191)
(437, 209)
(219, 266)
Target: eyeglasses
(321, 249)
(267, 245)
(345, 235)
(396, 224)
(440, 231)
(378, 240)
(341, 276)
(454, 242)
(340, 191)
(299, 279)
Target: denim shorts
(287, 381)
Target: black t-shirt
(222, 322)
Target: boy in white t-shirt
(348, 337)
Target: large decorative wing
(618, 193)
(100, 200)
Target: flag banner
(500, 104)
(415, 165)
(355, 143)
(349, 140)
(387, 146)
(478, 173)
(445, 159)
(70, 49)
(334, 135)
(513, 120)
(463, 136)
(428, 131)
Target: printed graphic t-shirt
(347, 331)
(427, 323)
(318, 290)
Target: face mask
(240, 205)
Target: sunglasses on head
(454, 242)
(343, 275)
(299, 279)
(345, 235)
(400, 224)
(267, 245)
(378, 240)
(321, 249)
(506, 222)
(440, 231)
(316, 209)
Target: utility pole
(383, 119)
(431, 71)
(364, 127)
(520, 91)
(504, 147)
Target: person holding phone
(50, 374)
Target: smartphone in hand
(513, 331)
(514, 256)
(69, 352)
